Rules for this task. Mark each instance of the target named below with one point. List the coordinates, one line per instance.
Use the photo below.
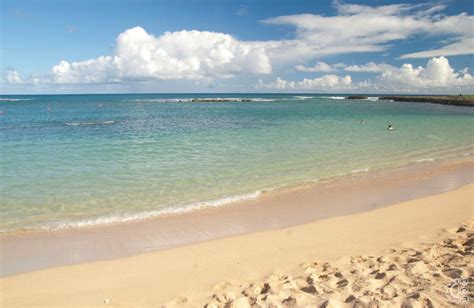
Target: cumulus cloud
(318, 67)
(139, 55)
(362, 28)
(204, 55)
(12, 76)
(437, 75)
(324, 83)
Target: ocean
(81, 160)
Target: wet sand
(321, 255)
(274, 210)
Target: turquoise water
(77, 160)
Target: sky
(144, 46)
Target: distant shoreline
(466, 97)
(462, 100)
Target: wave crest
(7, 99)
(85, 123)
(334, 97)
(128, 217)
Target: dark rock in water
(220, 100)
(464, 100)
(357, 97)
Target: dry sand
(405, 254)
(425, 275)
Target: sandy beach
(237, 154)
(405, 253)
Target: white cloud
(171, 56)
(339, 65)
(100, 70)
(351, 9)
(203, 55)
(361, 28)
(463, 47)
(437, 75)
(370, 67)
(12, 76)
(318, 67)
(325, 82)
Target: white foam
(7, 99)
(83, 123)
(373, 98)
(163, 100)
(257, 99)
(425, 160)
(334, 97)
(127, 217)
(360, 170)
(302, 97)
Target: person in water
(390, 127)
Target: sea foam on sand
(416, 254)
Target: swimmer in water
(390, 127)
(363, 122)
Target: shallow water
(76, 160)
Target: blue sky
(237, 46)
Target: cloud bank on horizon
(437, 74)
(192, 55)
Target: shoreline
(190, 275)
(461, 156)
(273, 210)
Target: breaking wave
(84, 123)
(369, 98)
(302, 97)
(334, 97)
(360, 170)
(7, 99)
(128, 217)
